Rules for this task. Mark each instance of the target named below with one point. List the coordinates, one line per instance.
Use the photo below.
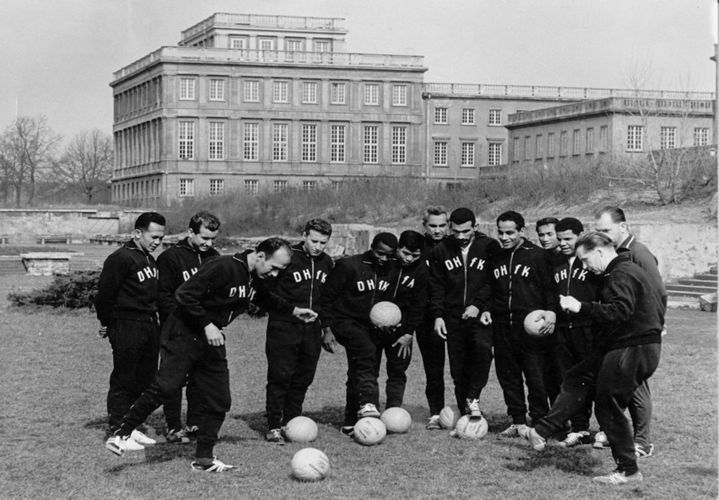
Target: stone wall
(25, 226)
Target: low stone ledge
(47, 263)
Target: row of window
(667, 137)
(138, 98)
(281, 91)
(186, 186)
(467, 154)
(441, 116)
(294, 44)
(539, 142)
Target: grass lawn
(54, 374)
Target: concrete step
(681, 289)
(698, 281)
(679, 302)
(706, 276)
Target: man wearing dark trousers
(126, 306)
(207, 303)
(521, 277)
(292, 346)
(176, 265)
(435, 222)
(355, 285)
(459, 290)
(630, 313)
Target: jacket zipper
(569, 280)
(399, 279)
(511, 258)
(312, 280)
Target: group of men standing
(457, 288)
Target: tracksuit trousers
(396, 368)
(172, 407)
(432, 347)
(572, 347)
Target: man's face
(593, 259)
(149, 239)
(508, 234)
(615, 230)
(547, 236)
(436, 226)
(202, 240)
(315, 242)
(382, 253)
(462, 233)
(567, 239)
(408, 257)
(270, 266)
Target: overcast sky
(58, 55)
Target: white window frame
(280, 141)
(563, 143)
(371, 94)
(309, 92)
(370, 141)
(217, 187)
(494, 118)
(527, 147)
(440, 153)
(251, 91)
(309, 142)
(603, 138)
(440, 115)
(576, 142)
(468, 116)
(186, 140)
(242, 45)
(280, 91)
(279, 185)
(186, 187)
(467, 154)
(515, 150)
(494, 154)
(551, 145)
(215, 140)
(667, 137)
(589, 141)
(338, 92)
(216, 89)
(252, 186)
(399, 145)
(309, 186)
(338, 143)
(322, 46)
(701, 136)
(539, 146)
(635, 138)
(250, 141)
(188, 87)
(399, 94)
(262, 44)
(294, 45)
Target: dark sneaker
(275, 436)
(177, 437)
(191, 431)
(473, 408)
(618, 478)
(347, 430)
(433, 423)
(210, 465)
(643, 451)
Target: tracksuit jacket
(221, 290)
(409, 292)
(176, 265)
(128, 285)
(521, 283)
(576, 280)
(647, 261)
(453, 286)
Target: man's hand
(550, 319)
(569, 303)
(306, 315)
(405, 345)
(214, 336)
(440, 328)
(486, 318)
(328, 340)
(102, 332)
(470, 312)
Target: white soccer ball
(384, 314)
(533, 322)
(397, 420)
(369, 431)
(301, 430)
(471, 428)
(310, 464)
(448, 417)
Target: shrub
(76, 290)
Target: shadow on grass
(159, 453)
(329, 415)
(574, 461)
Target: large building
(258, 102)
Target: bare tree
(86, 165)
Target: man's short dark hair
(411, 240)
(569, 224)
(616, 213)
(147, 218)
(210, 221)
(319, 225)
(546, 221)
(512, 216)
(462, 215)
(594, 239)
(433, 210)
(271, 245)
(388, 239)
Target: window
(280, 91)
(186, 135)
(399, 95)
(371, 137)
(399, 145)
(589, 142)
(238, 42)
(440, 153)
(187, 89)
(216, 141)
(294, 45)
(217, 187)
(309, 92)
(252, 186)
(563, 143)
(515, 150)
(309, 186)
(338, 134)
(495, 117)
(337, 93)
(309, 142)
(322, 45)
(468, 116)
(701, 136)
(279, 186)
(250, 141)
(467, 154)
(187, 187)
(280, 138)
(495, 154)
(267, 44)
(371, 94)
(539, 146)
(217, 89)
(576, 141)
(667, 137)
(603, 138)
(635, 137)
(550, 145)
(527, 147)
(440, 115)
(338, 185)
(251, 91)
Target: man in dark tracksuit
(521, 277)
(574, 334)
(176, 265)
(126, 306)
(630, 313)
(355, 285)
(432, 347)
(408, 290)
(459, 291)
(293, 346)
(207, 303)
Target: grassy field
(54, 374)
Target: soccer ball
(369, 431)
(301, 430)
(396, 420)
(310, 464)
(385, 314)
(471, 428)
(533, 322)
(448, 417)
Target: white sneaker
(433, 423)
(514, 430)
(617, 478)
(473, 408)
(600, 440)
(120, 444)
(574, 438)
(142, 438)
(215, 466)
(537, 441)
(368, 410)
